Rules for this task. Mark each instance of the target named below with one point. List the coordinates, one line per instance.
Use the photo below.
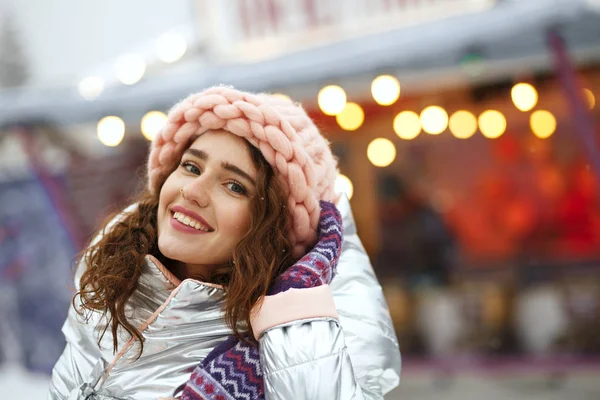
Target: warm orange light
(492, 124)
(385, 90)
(332, 100)
(589, 96)
(351, 117)
(524, 96)
(381, 152)
(407, 125)
(463, 124)
(434, 120)
(542, 123)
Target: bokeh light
(332, 100)
(463, 124)
(385, 90)
(111, 130)
(152, 123)
(130, 69)
(434, 120)
(343, 184)
(407, 125)
(492, 124)
(282, 96)
(381, 152)
(91, 87)
(542, 123)
(170, 47)
(524, 96)
(351, 117)
(589, 97)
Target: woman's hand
(317, 267)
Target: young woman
(227, 279)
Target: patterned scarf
(232, 369)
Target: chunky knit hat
(280, 129)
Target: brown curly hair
(114, 263)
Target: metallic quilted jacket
(355, 357)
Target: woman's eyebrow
(202, 155)
(238, 171)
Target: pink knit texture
(280, 129)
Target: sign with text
(251, 30)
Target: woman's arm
(81, 354)
(79, 357)
(65, 376)
(363, 314)
(348, 353)
(309, 360)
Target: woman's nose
(198, 192)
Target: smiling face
(201, 226)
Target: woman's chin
(178, 251)
(173, 250)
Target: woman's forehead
(220, 140)
(223, 146)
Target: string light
(434, 120)
(332, 100)
(524, 96)
(492, 124)
(407, 125)
(385, 90)
(152, 123)
(351, 118)
(381, 152)
(542, 123)
(111, 131)
(463, 124)
(589, 96)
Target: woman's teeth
(184, 219)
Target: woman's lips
(192, 215)
(181, 227)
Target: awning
(513, 30)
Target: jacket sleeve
(308, 359)
(81, 354)
(78, 359)
(354, 356)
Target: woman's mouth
(184, 223)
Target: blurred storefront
(472, 182)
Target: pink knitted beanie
(280, 129)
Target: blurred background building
(467, 136)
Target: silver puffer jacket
(356, 357)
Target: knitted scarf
(232, 369)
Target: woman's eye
(191, 168)
(236, 188)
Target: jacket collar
(159, 283)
